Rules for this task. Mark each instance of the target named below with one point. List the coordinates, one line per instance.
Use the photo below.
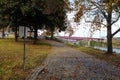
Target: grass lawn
(11, 58)
(114, 59)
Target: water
(117, 51)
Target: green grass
(11, 58)
(114, 59)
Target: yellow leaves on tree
(117, 1)
(79, 13)
(109, 6)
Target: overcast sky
(82, 30)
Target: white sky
(82, 30)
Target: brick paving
(65, 63)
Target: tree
(55, 15)
(3, 21)
(70, 30)
(35, 13)
(22, 13)
(100, 12)
(11, 10)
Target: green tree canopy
(34, 13)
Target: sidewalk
(65, 63)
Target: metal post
(24, 54)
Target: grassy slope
(114, 59)
(11, 58)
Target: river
(117, 51)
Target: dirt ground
(65, 63)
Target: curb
(35, 73)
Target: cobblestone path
(65, 63)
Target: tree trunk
(109, 33)
(52, 34)
(35, 35)
(30, 33)
(3, 33)
(109, 40)
(16, 35)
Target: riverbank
(115, 50)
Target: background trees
(99, 13)
(55, 15)
(36, 13)
(3, 18)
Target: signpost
(24, 53)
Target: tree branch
(98, 6)
(116, 20)
(116, 32)
(92, 22)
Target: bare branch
(101, 10)
(96, 22)
(115, 20)
(116, 32)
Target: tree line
(35, 14)
(51, 14)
